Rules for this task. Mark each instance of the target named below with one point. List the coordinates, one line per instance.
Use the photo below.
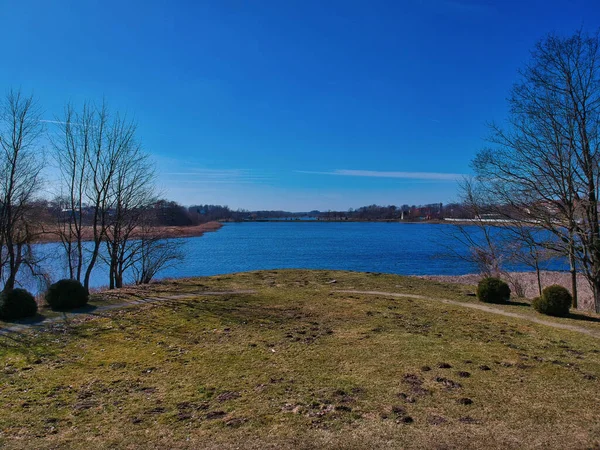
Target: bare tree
(131, 193)
(106, 186)
(107, 142)
(529, 246)
(544, 164)
(20, 168)
(479, 235)
(86, 150)
(72, 147)
(153, 252)
(494, 243)
(93, 150)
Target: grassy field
(299, 365)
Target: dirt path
(482, 307)
(94, 310)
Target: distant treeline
(435, 211)
(158, 213)
(170, 213)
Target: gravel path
(481, 307)
(91, 310)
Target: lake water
(400, 248)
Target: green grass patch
(299, 365)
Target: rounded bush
(67, 294)
(493, 290)
(555, 301)
(17, 304)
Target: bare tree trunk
(539, 278)
(15, 265)
(596, 295)
(573, 265)
(596, 291)
(90, 267)
(573, 271)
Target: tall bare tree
(85, 153)
(20, 169)
(99, 161)
(131, 192)
(72, 147)
(542, 167)
(107, 183)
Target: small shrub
(493, 290)
(555, 301)
(67, 294)
(17, 304)
(536, 303)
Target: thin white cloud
(437, 176)
(57, 122)
(211, 173)
(204, 181)
(216, 176)
(53, 121)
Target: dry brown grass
(50, 233)
(528, 280)
(300, 366)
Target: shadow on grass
(583, 318)
(87, 309)
(38, 318)
(41, 319)
(509, 303)
(519, 304)
(63, 325)
(68, 315)
(572, 315)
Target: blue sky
(293, 105)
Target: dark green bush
(16, 304)
(536, 303)
(493, 290)
(67, 294)
(555, 301)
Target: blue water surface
(400, 248)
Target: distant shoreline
(431, 221)
(164, 232)
(337, 220)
